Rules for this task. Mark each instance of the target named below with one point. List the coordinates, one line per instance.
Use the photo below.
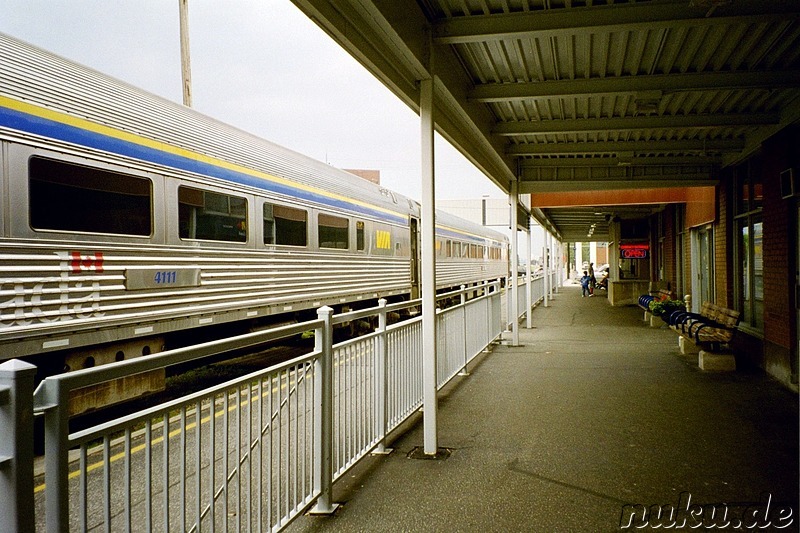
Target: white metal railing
(537, 295)
(249, 454)
(187, 464)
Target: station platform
(595, 411)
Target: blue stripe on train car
(44, 127)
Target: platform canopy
(568, 95)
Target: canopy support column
(513, 311)
(429, 400)
(528, 277)
(545, 267)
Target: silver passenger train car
(128, 218)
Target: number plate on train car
(159, 278)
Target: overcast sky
(260, 65)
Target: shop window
(749, 252)
(750, 265)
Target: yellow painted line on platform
(174, 433)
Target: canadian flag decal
(86, 263)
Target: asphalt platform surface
(593, 424)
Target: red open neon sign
(634, 251)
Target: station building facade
(738, 250)
(747, 257)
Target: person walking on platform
(585, 280)
(592, 279)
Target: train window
(333, 232)
(285, 225)
(211, 216)
(360, 236)
(69, 197)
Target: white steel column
(429, 401)
(551, 257)
(513, 312)
(529, 286)
(557, 261)
(546, 268)
(556, 264)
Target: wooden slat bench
(711, 329)
(645, 299)
(680, 320)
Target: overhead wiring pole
(186, 64)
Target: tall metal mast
(186, 68)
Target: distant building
(486, 211)
(494, 213)
(370, 175)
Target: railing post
(323, 438)
(487, 306)
(463, 298)
(382, 379)
(52, 398)
(546, 272)
(497, 300)
(16, 445)
(529, 302)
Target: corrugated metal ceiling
(581, 95)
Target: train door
(413, 226)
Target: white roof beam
(617, 17)
(604, 162)
(667, 83)
(692, 145)
(591, 125)
(698, 180)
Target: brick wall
(779, 240)
(723, 248)
(670, 268)
(687, 263)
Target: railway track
(186, 379)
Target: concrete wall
(627, 292)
